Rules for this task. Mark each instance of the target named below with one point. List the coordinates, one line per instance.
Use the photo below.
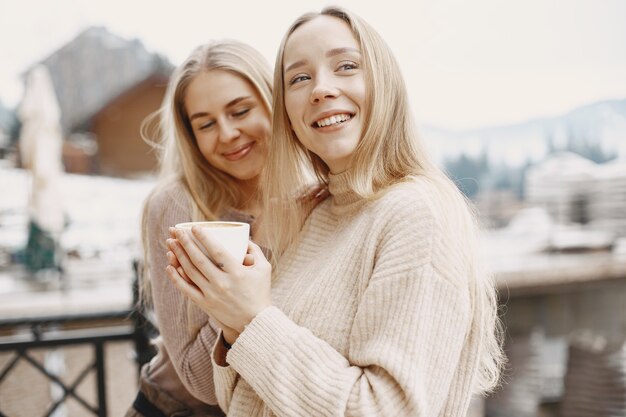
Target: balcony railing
(22, 336)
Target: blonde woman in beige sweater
(376, 304)
(212, 141)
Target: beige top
(372, 316)
(182, 365)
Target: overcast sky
(467, 63)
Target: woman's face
(229, 121)
(325, 90)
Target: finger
(188, 290)
(256, 252)
(220, 257)
(183, 274)
(198, 277)
(310, 193)
(321, 194)
(172, 259)
(172, 231)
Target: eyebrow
(331, 53)
(339, 51)
(229, 104)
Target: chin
(246, 175)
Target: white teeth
(338, 118)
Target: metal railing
(21, 336)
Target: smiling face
(229, 121)
(325, 93)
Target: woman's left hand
(232, 293)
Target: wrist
(252, 316)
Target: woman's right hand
(230, 335)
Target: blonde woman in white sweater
(376, 304)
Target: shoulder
(413, 203)
(168, 202)
(428, 217)
(167, 192)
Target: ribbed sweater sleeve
(405, 340)
(226, 375)
(185, 330)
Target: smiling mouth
(334, 120)
(238, 153)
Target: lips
(239, 153)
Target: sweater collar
(339, 188)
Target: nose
(228, 131)
(323, 90)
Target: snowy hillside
(103, 214)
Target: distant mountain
(601, 124)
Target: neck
(339, 187)
(251, 201)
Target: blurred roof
(96, 67)
(562, 165)
(612, 170)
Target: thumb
(256, 251)
(248, 260)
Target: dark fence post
(143, 328)
(101, 378)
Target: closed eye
(206, 125)
(241, 112)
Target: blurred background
(523, 103)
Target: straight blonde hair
(169, 131)
(389, 152)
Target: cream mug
(233, 236)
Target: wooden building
(106, 86)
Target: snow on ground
(103, 214)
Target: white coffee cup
(233, 236)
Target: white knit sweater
(373, 316)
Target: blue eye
(298, 79)
(347, 66)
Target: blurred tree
(584, 144)
(14, 131)
(467, 172)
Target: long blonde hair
(169, 131)
(389, 152)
